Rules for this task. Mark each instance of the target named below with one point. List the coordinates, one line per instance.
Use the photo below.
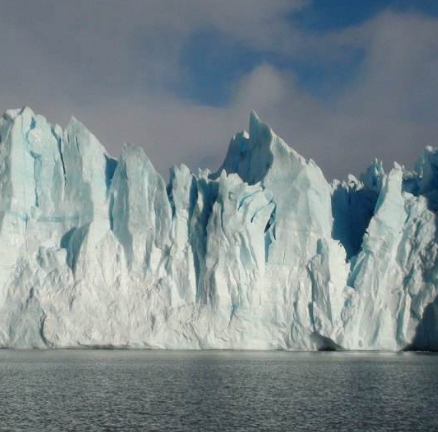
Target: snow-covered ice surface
(263, 254)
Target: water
(217, 391)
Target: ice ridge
(262, 254)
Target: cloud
(113, 68)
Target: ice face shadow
(426, 334)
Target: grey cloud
(110, 66)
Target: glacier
(263, 254)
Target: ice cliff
(263, 254)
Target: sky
(342, 81)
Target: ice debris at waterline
(263, 254)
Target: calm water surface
(217, 391)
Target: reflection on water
(217, 391)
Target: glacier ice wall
(263, 254)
